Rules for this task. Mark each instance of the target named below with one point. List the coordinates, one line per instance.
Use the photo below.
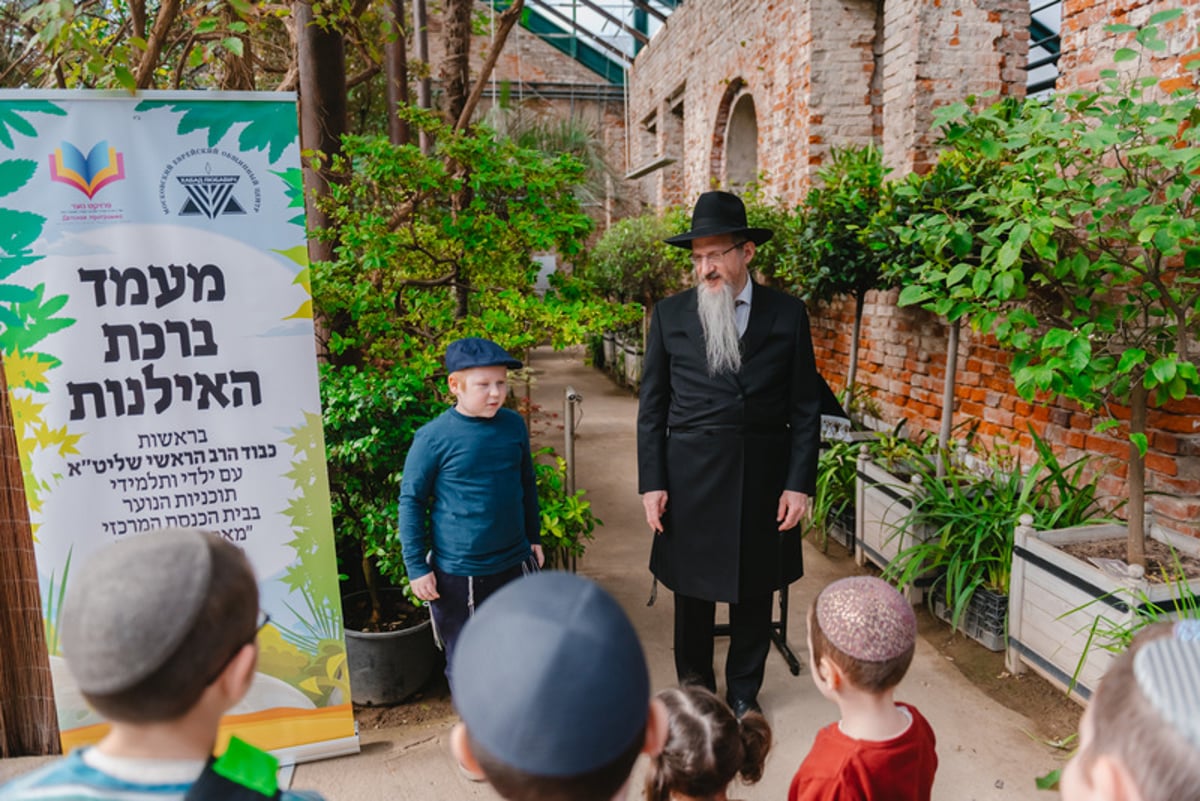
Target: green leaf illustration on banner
(311, 655)
(14, 174)
(11, 117)
(270, 126)
(19, 230)
(293, 178)
(36, 321)
(299, 255)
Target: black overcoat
(726, 447)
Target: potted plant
(888, 475)
(1088, 273)
(971, 515)
(370, 417)
(567, 517)
(833, 511)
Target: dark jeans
(459, 596)
(749, 644)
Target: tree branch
(162, 25)
(508, 18)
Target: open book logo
(91, 173)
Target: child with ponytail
(706, 748)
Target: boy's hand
(425, 587)
(539, 554)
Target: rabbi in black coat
(728, 435)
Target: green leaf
(912, 295)
(1163, 370)
(14, 174)
(13, 293)
(1120, 27)
(1124, 54)
(10, 117)
(1130, 359)
(19, 230)
(1107, 425)
(1160, 17)
(125, 77)
(234, 45)
(1139, 440)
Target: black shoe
(742, 707)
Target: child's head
(862, 626)
(478, 379)
(150, 622)
(706, 746)
(1140, 737)
(554, 693)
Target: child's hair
(872, 619)
(1125, 725)
(706, 746)
(597, 784)
(222, 608)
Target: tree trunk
(321, 62)
(456, 68)
(424, 88)
(28, 721)
(238, 71)
(948, 398)
(396, 60)
(852, 373)
(1137, 477)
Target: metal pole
(570, 400)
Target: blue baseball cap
(549, 676)
(463, 354)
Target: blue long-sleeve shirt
(469, 495)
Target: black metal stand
(778, 633)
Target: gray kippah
(549, 676)
(1168, 673)
(129, 608)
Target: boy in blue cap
(469, 517)
(552, 686)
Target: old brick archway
(733, 162)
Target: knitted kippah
(128, 610)
(866, 618)
(1168, 674)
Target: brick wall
(1087, 47)
(820, 76)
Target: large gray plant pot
(387, 667)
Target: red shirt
(841, 768)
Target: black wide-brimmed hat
(718, 213)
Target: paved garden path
(984, 752)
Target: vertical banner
(157, 334)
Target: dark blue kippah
(463, 354)
(549, 676)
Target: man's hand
(792, 507)
(539, 554)
(655, 504)
(425, 587)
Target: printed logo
(209, 194)
(208, 182)
(89, 174)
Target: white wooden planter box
(1054, 600)
(633, 366)
(882, 501)
(610, 350)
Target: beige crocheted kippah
(866, 618)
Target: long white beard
(721, 341)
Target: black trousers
(459, 596)
(749, 644)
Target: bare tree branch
(508, 18)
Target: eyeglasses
(698, 259)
